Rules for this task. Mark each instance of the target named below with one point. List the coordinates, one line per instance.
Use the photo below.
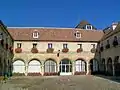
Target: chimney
(114, 25)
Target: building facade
(53, 51)
(6, 52)
(109, 50)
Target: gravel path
(60, 83)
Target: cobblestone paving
(60, 83)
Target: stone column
(113, 65)
(42, 68)
(73, 67)
(26, 69)
(88, 69)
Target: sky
(59, 13)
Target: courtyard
(83, 82)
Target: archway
(34, 66)
(80, 66)
(103, 69)
(117, 66)
(109, 67)
(65, 67)
(94, 66)
(50, 66)
(18, 66)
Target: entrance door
(65, 67)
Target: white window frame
(35, 34)
(89, 26)
(78, 34)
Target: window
(19, 45)
(1, 36)
(93, 45)
(64, 45)
(78, 34)
(34, 45)
(80, 45)
(49, 45)
(35, 34)
(89, 27)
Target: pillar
(113, 65)
(73, 68)
(26, 69)
(88, 69)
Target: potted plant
(79, 50)
(50, 50)
(65, 50)
(93, 50)
(34, 50)
(18, 50)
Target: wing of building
(49, 51)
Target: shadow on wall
(109, 70)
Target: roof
(110, 32)
(55, 34)
(82, 24)
(5, 29)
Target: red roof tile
(55, 34)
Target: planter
(18, 74)
(79, 50)
(65, 50)
(80, 73)
(93, 50)
(11, 49)
(34, 74)
(34, 50)
(50, 74)
(18, 50)
(115, 43)
(50, 50)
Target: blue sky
(59, 13)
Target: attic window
(78, 34)
(35, 34)
(89, 27)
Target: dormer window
(78, 34)
(89, 27)
(35, 34)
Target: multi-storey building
(109, 50)
(49, 51)
(6, 52)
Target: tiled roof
(55, 34)
(82, 24)
(111, 32)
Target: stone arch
(109, 66)
(50, 65)
(117, 66)
(102, 67)
(80, 65)
(94, 66)
(65, 66)
(34, 66)
(18, 66)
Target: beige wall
(42, 46)
(112, 51)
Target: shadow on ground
(112, 78)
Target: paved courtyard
(59, 83)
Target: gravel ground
(60, 83)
